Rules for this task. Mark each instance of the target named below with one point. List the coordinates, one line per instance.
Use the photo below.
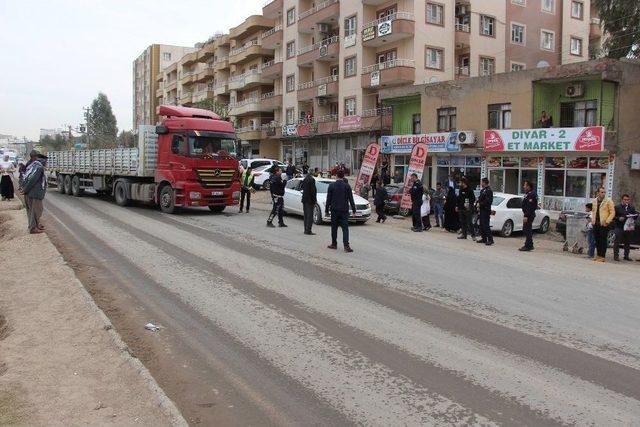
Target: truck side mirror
(162, 130)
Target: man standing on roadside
(309, 200)
(277, 198)
(291, 170)
(603, 213)
(379, 201)
(485, 199)
(34, 190)
(246, 180)
(529, 206)
(416, 192)
(439, 197)
(465, 203)
(624, 226)
(339, 200)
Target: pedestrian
(451, 222)
(339, 200)
(316, 172)
(465, 203)
(604, 213)
(291, 170)
(416, 191)
(277, 198)
(309, 201)
(625, 224)
(529, 207)
(380, 201)
(374, 182)
(6, 182)
(246, 179)
(384, 172)
(439, 197)
(545, 121)
(451, 183)
(425, 210)
(591, 238)
(485, 200)
(305, 168)
(34, 189)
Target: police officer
(529, 206)
(339, 200)
(464, 206)
(416, 192)
(277, 194)
(246, 180)
(485, 199)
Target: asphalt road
(267, 326)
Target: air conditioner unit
(466, 137)
(324, 28)
(321, 101)
(574, 90)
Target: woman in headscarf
(6, 182)
(451, 222)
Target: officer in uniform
(485, 199)
(246, 180)
(529, 206)
(277, 194)
(416, 192)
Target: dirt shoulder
(61, 362)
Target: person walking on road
(291, 170)
(6, 182)
(439, 197)
(485, 199)
(339, 200)
(603, 213)
(309, 200)
(529, 207)
(277, 198)
(34, 189)
(246, 179)
(425, 210)
(416, 191)
(466, 201)
(380, 201)
(625, 223)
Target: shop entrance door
(504, 180)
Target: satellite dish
(542, 64)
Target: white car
(261, 176)
(293, 201)
(256, 163)
(507, 217)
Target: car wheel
(67, 184)
(611, 238)
(317, 215)
(60, 179)
(507, 228)
(216, 209)
(266, 185)
(75, 186)
(544, 225)
(120, 194)
(167, 201)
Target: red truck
(183, 162)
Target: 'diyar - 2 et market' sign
(547, 139)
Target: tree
(126, 139)
(621, 23)
(211, 105)
(102, 127)
(54, 143)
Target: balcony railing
(398, 15)
(222, 59)
(221, 84)
(317, 82)
(255, 71)
(250, 128)
(244, 102)
(319, 119)
(271, 31)
(375, 112)
(314, 9)
(315, 46)
(389, 64)
(244, 47)
(462, 71)
(269, 95)
(270, 64)
(465, 28)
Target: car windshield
(497, 200)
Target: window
(548, 6)
(291, 83)
(517, 66)
(435, 14)
(416, 125)
(514, 203)
(166, 56)
(350, 26)
(547, 40)
(517, 33)
(334, 70)
(579, 114)
(291, 16)
(576, 46)
(487, 66)
(389, 55)
(446, 119)
(290, 116)
(350, 66)
(577, 9)
(388, 13)
(291, 49)
(179, 145)
(350, 107)
(433, 58)
(499, 116)
(487, 26)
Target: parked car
(561, 227)
(256, 163)
(293, 201)
(261, 176)
(507, 216)
(395, 196)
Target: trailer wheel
(120, 194)
(75, 186)
(216, 209)
(167, 202)
(60, 179)
(67, 184)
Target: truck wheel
(216, 209)
(167, 202)
(67, 184)
(60, 179)
(75, 186)
(120, 194)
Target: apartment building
(146, 67)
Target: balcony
(463, 34)
(272, 38)
(171, 85)
(378, 32)
(203, 95)
(222, 88)
(272, 70)
(271, 130)
(394, 72)
(160, 76)
(325, 12)
(186, 98)
(189, 59)
(206, 74)
(188, 78)
(249, 132)
(595, 29)
(247, 80)
(207, 52)
(327, 124)
(377, 118)
(462, 72)
(324, 87)
(272, 9)
(325, 50)
(159, 92)
(221, 64)
(374, 2)
(250, 25)
(247, 106)
(247, 52)
(271, 101)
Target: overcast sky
(56, 55)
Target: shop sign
(369, 33)
(416, 165)
(289, 130)
(350, 40)
(375, 78)
(367, 167)
(610, 172)
(384, 28)
(322, 89)
(548, 139)
(436, 142)
(350, 122)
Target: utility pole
(86, 119)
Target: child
(591, 238)
(425, 209)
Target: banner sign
(436, 142)
(375, 78)
(367, 167)
(369, 33)
(350, 40)
(384, 28)
(547, 139)
(350, 122)
(289, 130)
(416, 165)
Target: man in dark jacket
(339, 200)
(624, 212)
(34, 189)
(485, 200)
(465, 203)
(309, 200)
(291, 170)
(529, 206)
(277, 194)
(416, 191)
(379, 201)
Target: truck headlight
(195, 195)
(236, 195)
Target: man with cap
(34, 190)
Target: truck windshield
(201, 146)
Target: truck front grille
(216, 178)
